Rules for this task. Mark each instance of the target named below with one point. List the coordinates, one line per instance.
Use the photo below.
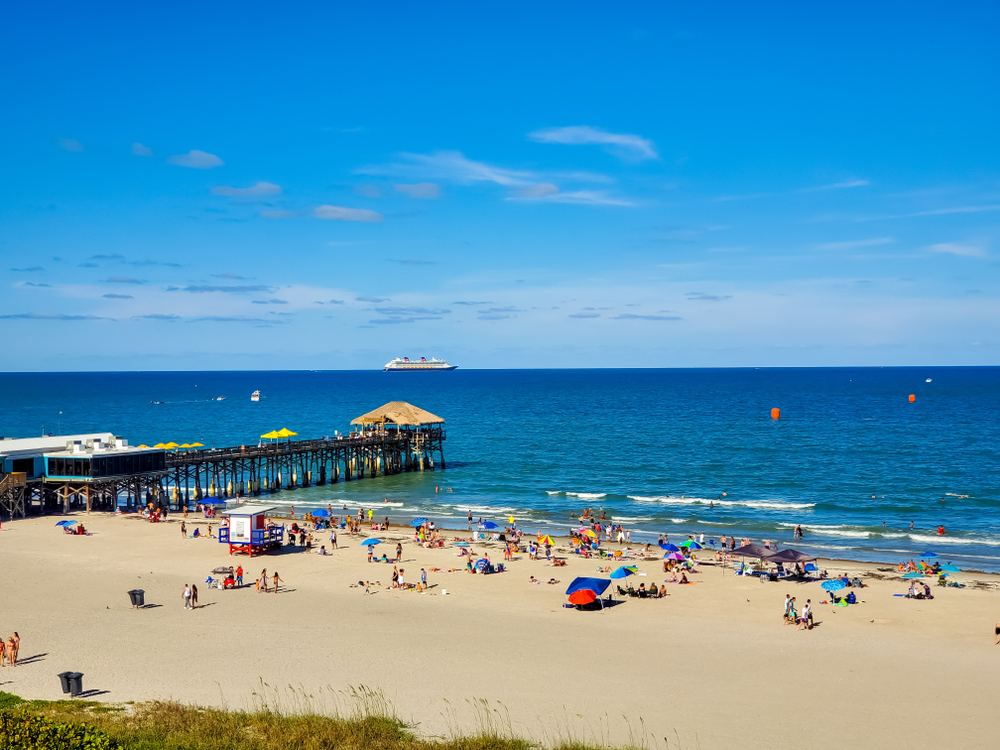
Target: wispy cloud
(623, 145)
(117, 296)
(196, 160)
(937, 212)
(102, 256)
(701, 296)
(30, 269)
(50, 316)
(205, 288)
(837, 185)
(424, 190)
(851, 244)
(537, 191)
(231, 276)
(230, 319)
(269, 302)
(951, 248)
(125, 280)
(373, 300)
(580, 197)
(339, 213)
(467, 302)
(157, 316)
(586, 314)
(32, 283)
(634, 316)
(70, 144)
(452, 166)
(139, 150)
(437, 312)
(256, 191)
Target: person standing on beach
(184, 531)
(239, 576)
(275, 578)
(194, 596)
(187, 596)
(333, 539)
(399, 552)
(370, 553)
(423, 578)
(263, 579)
(16, 641)
(470, 520)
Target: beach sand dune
(709, 666)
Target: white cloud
(367, 191)
(580, 197)
(339, 213)
(196, 159)
(838, 185)
(969, 251)
(261, 188)
(538, 191)
(426, 190)
(70, 144)
(851, 244)
(139, 150)
(453, 166)
(624, 145)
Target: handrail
(13, 479)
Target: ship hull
(421, 369)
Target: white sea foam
(581, 495)
(629, 519)
(759, 504)
(953, 540)
(484, 509)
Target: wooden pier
(394, 439)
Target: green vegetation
(269, 725)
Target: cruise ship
(405, 364)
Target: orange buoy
(912, 398)
(775, 413)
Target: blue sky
(250, 186)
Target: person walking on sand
(184, 531)
(3, 653)
(263, 579)
(194, 596)
(399, 552)
(187, 596)
(275, 578)
(333, 539)
(16, 642)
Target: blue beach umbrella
(625, 571)
(670, 548)
(834, 585)
(321, 513)
(417, 522)
(490, 526)
(691, 544)
(914, 574)
(60, 523)
(370, 542)
(949, 569)
(929, 554)
(68, 523)
(461, 544)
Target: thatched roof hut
(400, 414)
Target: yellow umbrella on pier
(159, 445)
(285, 432)
(196, 445)
(143, 446)
(272, 435)
(171, 446)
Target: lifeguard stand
(248, 533)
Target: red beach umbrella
(583, 596)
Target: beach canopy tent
(790, 556)
(272, 435)
(584, 588)
(284, 432)
(418, 522)
(750, 550)
(212, 501)
(398, 414)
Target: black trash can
(75, 683)
(138, 597)
(64, 680)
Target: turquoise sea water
(651, 447)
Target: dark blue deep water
(651, 447)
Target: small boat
(221, 398)
(928, 380)
(255, 396)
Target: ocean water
(851, 459)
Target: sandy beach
(710, 665)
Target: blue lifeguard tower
(248, 533)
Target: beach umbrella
(197, 445)
(691, 544)
(674, 556)
(212, 501)
(546, 539)
(929, 554)
(588, 532)
(914, 574)
(60, 523)
(490, 526)
(461, 544)
(284, 432)
(597, 585)
(418, 522)
(171, 446)
(949, 569)
(834, 585)
(583, 596)
(625, 571)
(321, 513)
(670, 548)
(370, 542)
(143, 446)
(160, 445)
(272, 435)
(482, 564)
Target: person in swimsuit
(3, 653)
(16, 640)
(194, 596)
(263, 579)
(275, 579)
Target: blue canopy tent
(212, 501)
(418, 522)
(597, 585)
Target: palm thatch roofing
(399, 413)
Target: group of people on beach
(9, 649)
(803, 620)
